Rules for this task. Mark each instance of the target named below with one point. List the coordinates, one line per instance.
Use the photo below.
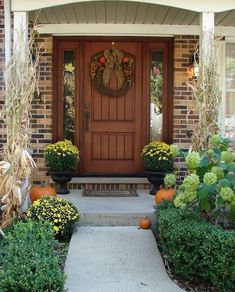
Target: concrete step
(113, 211)
(114, 219)
(115, 259)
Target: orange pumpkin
(37, 192)
(145, 223)
(164, 194)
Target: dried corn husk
(21, 77)
(207, 96)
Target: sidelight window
(156, 95)
(69, 95)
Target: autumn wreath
(102, 66)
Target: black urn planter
(61, 179)
(156, 179)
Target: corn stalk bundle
(208, 97)
(21, 79)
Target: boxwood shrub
(197, 249)
(29, 261)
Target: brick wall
(41, 120)
(184, 114)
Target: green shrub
(62, 214)
(198, 250)
(30, 263)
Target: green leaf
(204, 162)
(231, 167)
(223, 166)
(224, 183)
(230, 178)
(205, 205)
(217, 154)
(203, 193)
(219, 202)
(231, 215)
(201, 171)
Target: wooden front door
(110, 132)
(112, 126)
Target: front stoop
(115, 259)
(110, 183)
(112, 211)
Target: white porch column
(7, 24)
(207, 36)
(20, 23)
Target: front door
(113, 133)
(110, 131)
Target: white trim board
(128, 29)
(193, 5)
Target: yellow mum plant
(61, 213)
(61, 156)
(157, 156)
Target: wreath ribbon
(114, 60)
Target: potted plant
(61, 157)
(158, 161)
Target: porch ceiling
(122, 12)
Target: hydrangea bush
(210, 184)
(61, 156)
(61, 213)
(157, 156)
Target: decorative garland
(101, 68)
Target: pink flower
(156, 70)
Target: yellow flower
(36, 203)
(56, 228)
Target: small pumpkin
(164, 194)
(36, 192)
(145, 223)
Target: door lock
(87, 116)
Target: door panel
(114, 140)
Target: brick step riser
(109, 186)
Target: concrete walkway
(115, 259)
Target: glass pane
(230, 92)
(69, 94)
(156, 96)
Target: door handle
(87, 121)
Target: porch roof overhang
(126, 18)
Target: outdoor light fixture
(194, 63)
